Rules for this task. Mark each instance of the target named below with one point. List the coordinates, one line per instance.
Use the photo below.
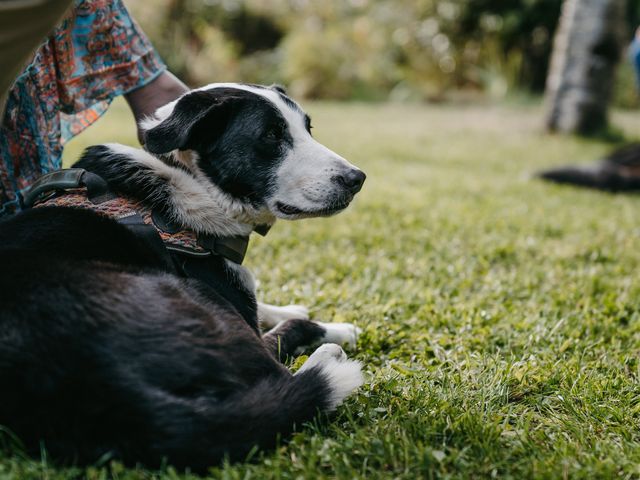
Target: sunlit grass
(500, 314)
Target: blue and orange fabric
(97, 53)
(634, 56)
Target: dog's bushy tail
(257, 416)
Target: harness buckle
(97, 187)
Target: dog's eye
(274, 133)
(307, 123)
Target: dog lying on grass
(115, 343)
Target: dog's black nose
(352, 180)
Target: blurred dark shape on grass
(618, 172)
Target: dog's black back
(101, 352)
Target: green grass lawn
(501, 315)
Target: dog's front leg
(271, 316)
(292, 337)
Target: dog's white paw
(341, 333)
(343, 375)
(323, 354)
(293, 312)
(272, 315)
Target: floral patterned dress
(96, 54)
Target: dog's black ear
(197, 117)
(279, 88)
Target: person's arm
(147, 99)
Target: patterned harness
(78, 188)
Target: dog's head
(255, 144)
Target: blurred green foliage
(363, 49)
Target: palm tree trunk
(586, 51)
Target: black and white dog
(106, 350)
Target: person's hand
(146, 100)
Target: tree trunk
(586, 51)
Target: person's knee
(23, 26)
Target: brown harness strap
(120, 208)
(67, 188)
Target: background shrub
(365, 49)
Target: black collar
(233, 248)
